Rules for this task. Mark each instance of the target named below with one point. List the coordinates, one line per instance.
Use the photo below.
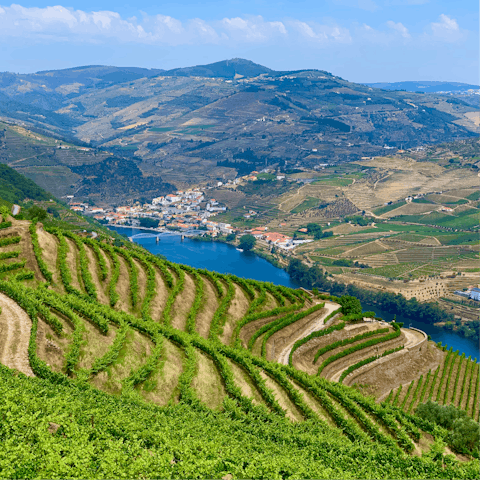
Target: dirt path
(49, 245)
(15, 328)
(183, 304)
(316, 324)
(412, 337)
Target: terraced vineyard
(82, 310)
(454, 382)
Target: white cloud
(252, 29)
(400, 28)
(445, 30)
(319, 33)
(62, 24)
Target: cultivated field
(132, 324)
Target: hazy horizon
(364, 41)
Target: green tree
(148, 223)
(37, 212)
(314, 228)
(230, 237)
(247, 242)
(350, 305)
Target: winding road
(316, 324)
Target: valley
(297, 230)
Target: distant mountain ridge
(425, 86)
(182, 125)
(223, 69)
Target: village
(187, 212)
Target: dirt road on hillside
(15, 328)
(316, 324)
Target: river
(224, 258)
(216, 256)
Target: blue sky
(360, 40)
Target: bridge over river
(156, 234)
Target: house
(475, 294)
(277, 238)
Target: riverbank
(224, 257)
(217, 256)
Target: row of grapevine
(369, 343)
(285, 322)
(65, 274)
(446, 366)
(366, 361)
(468, 370)
(176, 290)
(219, 317)
(150, 289)
(425, 385)
(144, 371)
(84, 270)
(5, 241)
(449, 376)
(112, 286)
(348, 341)
(457, 377)
(215, 280)
(276, 293)
(132, 274)
(415, 394)
(112, 353)
(315, 334)
(4, 225)
(102, 264)
(476, 387)
(162, 266)
(23, 275)
(12, 254)
(259, 315)
(47, 274)
(244, 285)
(259, 301)
(197, 301)
(8, 267)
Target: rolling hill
(178, 349)
(181, 124)
(426, 86)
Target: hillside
(66, 168)
(16, 188)
(182, 347)
(196, 117)
(426, 86)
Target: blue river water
(220, 257)
(224, 258)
